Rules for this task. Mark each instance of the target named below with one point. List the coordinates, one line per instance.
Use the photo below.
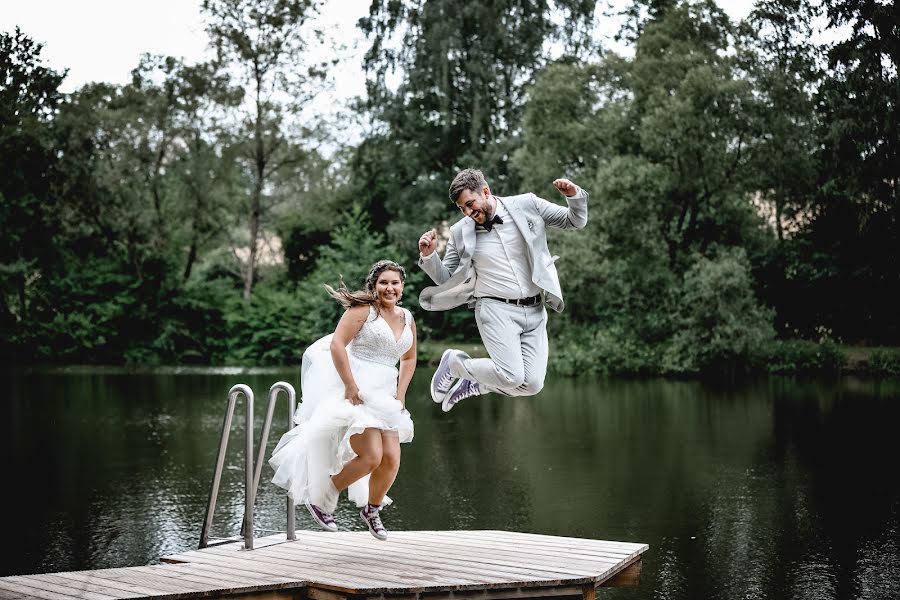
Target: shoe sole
(372, 531)
(434, 377)
(333, 528)
(445, 404)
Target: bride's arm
(347, 328)
(407, 367)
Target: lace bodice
(375, 341)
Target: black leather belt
(518, 301)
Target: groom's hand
(428, 242)
(565, 187)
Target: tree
(263, 46)
(781, 64)
(662, 141)
(464, 68)
(856, 213)
(29, 97)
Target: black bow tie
(489, 225)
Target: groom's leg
(501, 326)
(535, 351)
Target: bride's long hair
(367, 296)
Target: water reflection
(774, 488)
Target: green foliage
(272, 329)
(464, 67)
(885, 362)
(29, 96)
(94, 311)
(606, 350)
(729, 172)
(262, 47)
(802, 356)
(719, 325)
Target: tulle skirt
(319, 446)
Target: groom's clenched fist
(428, 242)
(565, 187)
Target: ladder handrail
(249, 489)
(278, 386)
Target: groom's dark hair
(467, 179)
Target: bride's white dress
(319, 446)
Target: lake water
(768, 488)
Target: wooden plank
(422, 578)
(205, 574)
(163, 585)
(558, 540)
(463, 558)
(270, 595)
(179, 580)
(324, 576)
(37, 592)
(418, 559)
(565, 544)
(588, 592)
(407, 575)
(560, 565)
(384, 581)
(519, 551)
(571, 557)
(214, 570)
(10, 595)
(314, 593)
(630, 576)
(53, 583)
(458, 573)
(490, 594)
(97, 580)
(242, 567)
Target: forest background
(743, 178)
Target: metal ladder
(251, 473)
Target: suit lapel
(526, 228)
(468, 239)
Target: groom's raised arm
(431, 262)
(573, 216)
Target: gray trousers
(516, 340)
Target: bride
(353, 418)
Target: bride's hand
(352, 394)
(402, 400)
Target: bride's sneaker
(369, 515)
(442, 378)
(324, 519)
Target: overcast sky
(102, 40)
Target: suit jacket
(455, 274)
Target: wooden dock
(411, 565)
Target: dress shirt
(501, 262)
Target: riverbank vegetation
(744, 210)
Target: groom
(497, 260)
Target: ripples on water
(774, 488)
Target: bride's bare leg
(367, 446)
(385, 473)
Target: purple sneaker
(369, 514)
(442, 378)
(324, 519)
(463, 389)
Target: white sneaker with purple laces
(442, 378)
(369, 515)
(324, 519)
(464, 388)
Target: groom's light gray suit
(514, 336)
